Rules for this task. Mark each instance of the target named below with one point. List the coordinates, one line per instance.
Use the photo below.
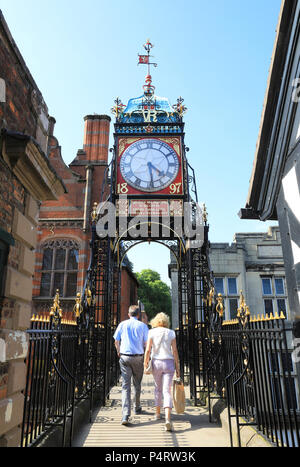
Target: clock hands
(142, 168)
(151, 167)
(150, 171)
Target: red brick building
(26, 179)
(62, 255)
(45, 210)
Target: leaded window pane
(268, 306)
(232, 287)
(58, 283)
(233, 306)
(279, 286)
(60, 258)
(59, 268)
(71, 288)
(73, 259)
(45, 284)
(47, 259)
(281, 305)
(267, 286)
(219, 284)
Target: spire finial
(118, 108)
(179, 107)
(145, 60)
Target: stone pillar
(26, 179)
(173, 274)
(15, 318)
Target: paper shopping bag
(178, 396)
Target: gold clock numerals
(175, 188)
(122, 188)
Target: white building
(253, 264)
(274, 190)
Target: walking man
(130, 340)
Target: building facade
(274, 191)
(64, 227)
(252, 264)
(45, 209)
(26, 179)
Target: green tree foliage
(154, 293)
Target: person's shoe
(125, 420)
(138, 411)
(168, 425)
(157, 417)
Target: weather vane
(145, 60)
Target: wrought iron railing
(50, 384)
(72, 361)
(250, 367)
(66, 364)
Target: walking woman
(165, 361)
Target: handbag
(178, 395)
(148, 370)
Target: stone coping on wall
(250, 437)
(28, 162)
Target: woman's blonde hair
(161, 319)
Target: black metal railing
(66, 364)
(50, 384)
(251, 369)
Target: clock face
(149, 165)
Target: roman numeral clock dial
(149, 165)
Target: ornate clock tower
(151, 195)
(150, 169)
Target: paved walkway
(191, 429)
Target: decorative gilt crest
(220, 306)
(211, 296)
(94, 214)
(243, 312)
(118, 108)
(179, 107)
(77, 309)
(124, 143)
(55, 310)
(174, 142)
(149, 129)
(149, 112)
(88, 295)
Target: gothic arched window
(59, 268)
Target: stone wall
(23, 108)
(26, 179)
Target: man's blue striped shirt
(133, 335)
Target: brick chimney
(96, 137)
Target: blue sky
(216, 55)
